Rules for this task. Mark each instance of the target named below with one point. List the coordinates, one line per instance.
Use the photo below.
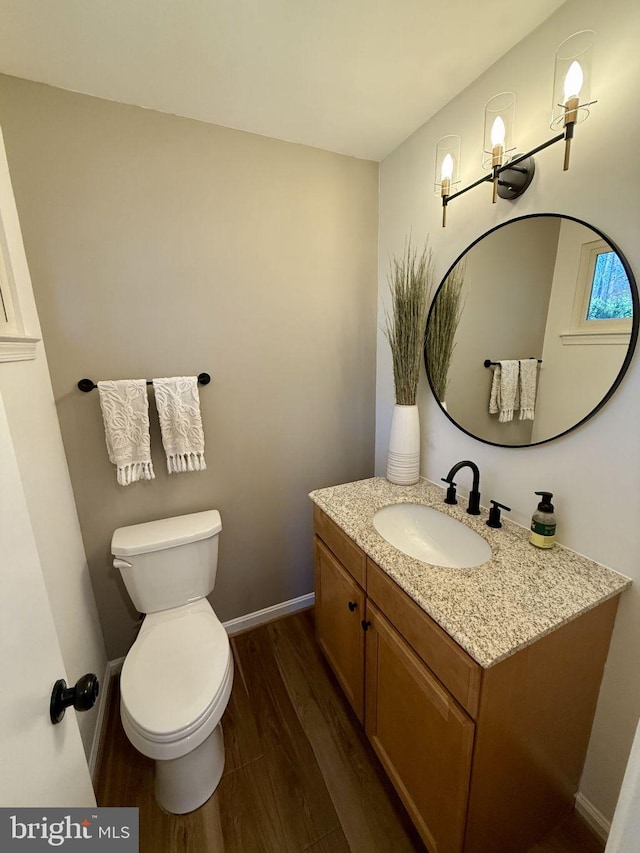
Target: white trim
(590, 338)
(277, 611)
(596, 820)
(103, 704)
(17, 348)
(116, 666)
(16, 341)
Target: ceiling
(353, 76)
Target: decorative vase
(403, 460)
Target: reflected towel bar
(87, 385)
(489, 363)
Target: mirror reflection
(531, 330)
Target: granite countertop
(492, 610)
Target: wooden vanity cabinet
(340, 609)
(421, 735)
(532, 732)
(449, 663)
(485, 760)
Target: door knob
(82, 696)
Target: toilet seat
(176, 680)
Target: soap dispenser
(543, 523)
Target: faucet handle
(494, 514)
(451, 491)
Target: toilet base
(184, 784)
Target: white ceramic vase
(403, 460)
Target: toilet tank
(169, 562)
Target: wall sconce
(447, 174)
(499, 121)
(572, 85)
(511, 174)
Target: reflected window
(603, 305)
(610, 292)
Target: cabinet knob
(352, 606)
(365, 625)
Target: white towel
(125, 412)
(528, 380)
(180, 423)
(504, 390)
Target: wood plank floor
(299, 775)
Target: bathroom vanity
(476, 687)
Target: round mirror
(531, 330)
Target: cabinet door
(422, 736)
(339, 611)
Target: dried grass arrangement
(443, 324)
(411, 285)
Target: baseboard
(116, 666)
(277, 611)
(101, 713)
(594, 818)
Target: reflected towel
(125, 412)
(504, 390)
(528, 380)
(178, 406)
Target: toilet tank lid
(165, 533)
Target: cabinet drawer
(460, 674)
(352, 558)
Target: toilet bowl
(176, 679)
(174, 688)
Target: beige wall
(593, 471)
(163, 246)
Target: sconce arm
(509, 165)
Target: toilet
(176, 680)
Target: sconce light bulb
(447, 167)
(573, 81)
(498, 131)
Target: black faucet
(474, 494)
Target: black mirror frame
(632, 340)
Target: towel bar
(489, 363)
(87, 385)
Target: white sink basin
(429, 535)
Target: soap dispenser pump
(543, 523)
